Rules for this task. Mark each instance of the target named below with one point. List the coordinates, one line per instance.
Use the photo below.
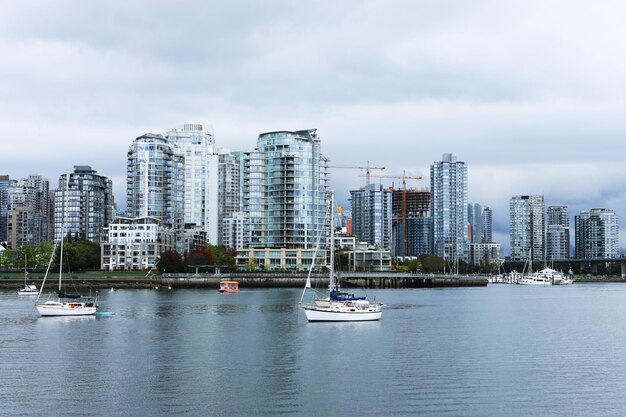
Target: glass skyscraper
(285, 189)
(230, 194)
(486, 225)
(448, 207)
(527, 220)
(85, 204)
(557, 233)
(597, 234)
(371, 215)
(4, 206)
(154, 182)
(475, 222)
(201, 161)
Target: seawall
(258, 280)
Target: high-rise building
(201, 165)
(371, 215)
(234, 231)
(597, 234)
(448, 208)
(557, 233)
(229, 192)
(486, 225)
(411, 210)
(527, 219)
(285, 187)
(84, 206)
(155, 182)
(4, 206)
(254, 194)
(28, 215)
(475, 222)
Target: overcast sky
(530, 94)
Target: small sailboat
(338, 306)
(65, 304)
(28, 289)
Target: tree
(80, 255)
(431, 263)
(171, 261)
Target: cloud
(530, 95)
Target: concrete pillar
(594, 268)
(623, 265)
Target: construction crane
(367, 169)
(403, 177)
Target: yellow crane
(403, 177)
(367, 169)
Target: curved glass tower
(154, 182)
(293, 183)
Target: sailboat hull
(53, 308)
(319, 314)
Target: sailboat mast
(65, 198)
(332, 241)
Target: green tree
(431, 263)
(253, 264)
(413, 265)
(7, 259)
(80, 255)
(171, 261)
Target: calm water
(495, 351)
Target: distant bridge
(594, 262)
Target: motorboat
(228, 286)
(534, 278)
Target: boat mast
(65, 197)
(332, 241)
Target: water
(496, 351)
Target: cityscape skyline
(529, 97)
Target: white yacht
(339, 306)
(534, 278)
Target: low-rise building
(282, 259)
(484, 253)
(135, 243)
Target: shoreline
(254, 280)
(267, 280)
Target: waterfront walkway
(262, 280)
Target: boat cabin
(229, 286)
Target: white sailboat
(339, 306)
(28, 289)
(65, 304)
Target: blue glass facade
(371, 215)
(85, 205)
(284, 187)
(448, 184)
(155, 181)
(527, 227)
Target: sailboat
(338, 306)
(65, 304)
(28, 289)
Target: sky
(530, 94)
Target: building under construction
(411, 222)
